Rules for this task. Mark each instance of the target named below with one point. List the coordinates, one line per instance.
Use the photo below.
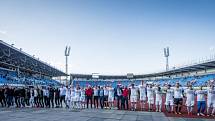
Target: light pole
(166, 55)
(67, 53)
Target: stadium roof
(203, 66)
(13, 58)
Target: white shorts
(67, 98)
(142, 98)
(189, 103)
(110, 99)
(73, 99)
(210, 104)
(77, 98)
(82, 99)
(133, 99)
(169, 102)
(151, 100)
(158, 102)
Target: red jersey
(125, 93)
(89, 92)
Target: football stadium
(91, 79)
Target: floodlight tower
(166, 55)
(67, 53)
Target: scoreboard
(130, 75)
(95, 75)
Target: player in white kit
(211, 100)
(106, 97)
(158, 99)
(150, 96)
(201, 101)
(111, 97)
(83, 98)
(36, 103)
(169, 99)
(190, 93)
(142, 90)
(72, 95)
(62, 95)
(133, 97)
(68, 97)
(78, 97)
(32, 97)
(178, 98)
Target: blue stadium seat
(10, 77)
(195, 80)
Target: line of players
(145, 94)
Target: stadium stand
(195, 80)
(19, 68)
(196, 74)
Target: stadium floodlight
(67, 53)
(166, 55)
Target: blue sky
(111, 36)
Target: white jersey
(211, 95)
(32, 93)
(77, 93)
(178, 92)
(133, 97)
(63, 91)
(150, 92)
(158, 95)
(190, 97)
(82, 93)
(201, 95)
(68, 92)
(169, 97)
(134, 91)
(106, 92)
(169, 94)
(44, 92)
(111, 92)
(72, 93)
(142, 90)
(35, 93)
(190, 94)
(82, 96)
(96, 92)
